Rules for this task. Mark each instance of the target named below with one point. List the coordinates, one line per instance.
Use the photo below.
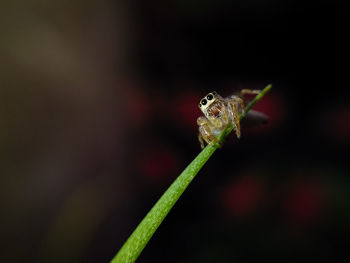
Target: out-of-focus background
(98, 108)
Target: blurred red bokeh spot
(304, 203)
(243, 196)
(186, 111)
(273, 106)
(159, 164)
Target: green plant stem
(145, 230)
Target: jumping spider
(219, 112)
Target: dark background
(98, 108)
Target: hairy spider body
(218, 113)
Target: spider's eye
(214, 93)
(209, 97)
(204, 101)
(200, 105)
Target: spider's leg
(249, 91)
(239, 102)
(205, 132)
(235, 105)
(201, 140)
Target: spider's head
(205, 103)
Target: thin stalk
(145, 230)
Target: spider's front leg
(236, 106)
(205, 133)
